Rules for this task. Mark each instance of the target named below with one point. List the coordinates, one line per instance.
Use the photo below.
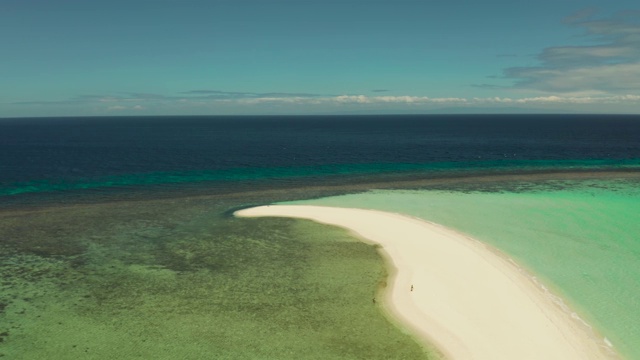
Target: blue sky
(163, 57)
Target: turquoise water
(582, 238)
(301, 173)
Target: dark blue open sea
(110, 154)
(117, 240)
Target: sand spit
(457, 293)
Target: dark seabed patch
(178, 278)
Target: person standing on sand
(411, 287)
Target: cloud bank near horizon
(200, 99)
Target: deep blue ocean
(51, 155)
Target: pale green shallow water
(582, 238)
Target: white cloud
(125, 108)
(605, 78)
(610, 66)
(423, 100)
(358, 99)
(263, 100)
(570, 101)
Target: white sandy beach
(467, 300)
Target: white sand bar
(467, 300)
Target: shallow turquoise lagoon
(582, 238)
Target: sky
(246, 57)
